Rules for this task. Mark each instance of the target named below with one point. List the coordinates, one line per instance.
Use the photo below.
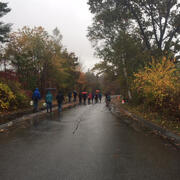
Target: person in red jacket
(89, 98)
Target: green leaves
(154, 20)
(40, 60)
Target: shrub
(20, 99)
(158, 84)
(7, 97)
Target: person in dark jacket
(96, 98)
(84, 98)
(80, 98)
(108, 99)
(49, 99)
(36, 97)
(92, 97)
(100, 97)
(69, 96)
(60, 99)
(75, 95)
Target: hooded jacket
(60, 98)
(49, 97)
(36, 95)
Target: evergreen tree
(4, 28)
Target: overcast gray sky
(72, 17)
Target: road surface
(86, 143)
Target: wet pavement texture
(86, 143)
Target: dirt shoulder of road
(168, 130)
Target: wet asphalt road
(86, 143)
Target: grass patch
(169, 123)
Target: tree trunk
(126, 77)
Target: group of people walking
(48, 100)
(90, 97)
(82, 96)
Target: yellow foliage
(6, 96)
(158, 81)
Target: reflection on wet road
(86, 143)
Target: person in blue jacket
(49, 99)
(36, 97)
(100, 97)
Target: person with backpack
(60, 99)
(48, 100)
(108, 99)
(36, 97)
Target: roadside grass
(166, 122)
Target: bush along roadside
(145, 120)
(12, 96)
(156, 88)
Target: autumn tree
(81, 82)
(40, 60)
(126, 34)
(92, 81)
(28, 52)
(69, 65)
(120, 60)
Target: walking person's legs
(59, 107)
(50, 106)
(35, 106)
(84, 100)
(74, 99)
(47, 107)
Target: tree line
(31, 58)
(138, 43)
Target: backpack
(35, 97)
